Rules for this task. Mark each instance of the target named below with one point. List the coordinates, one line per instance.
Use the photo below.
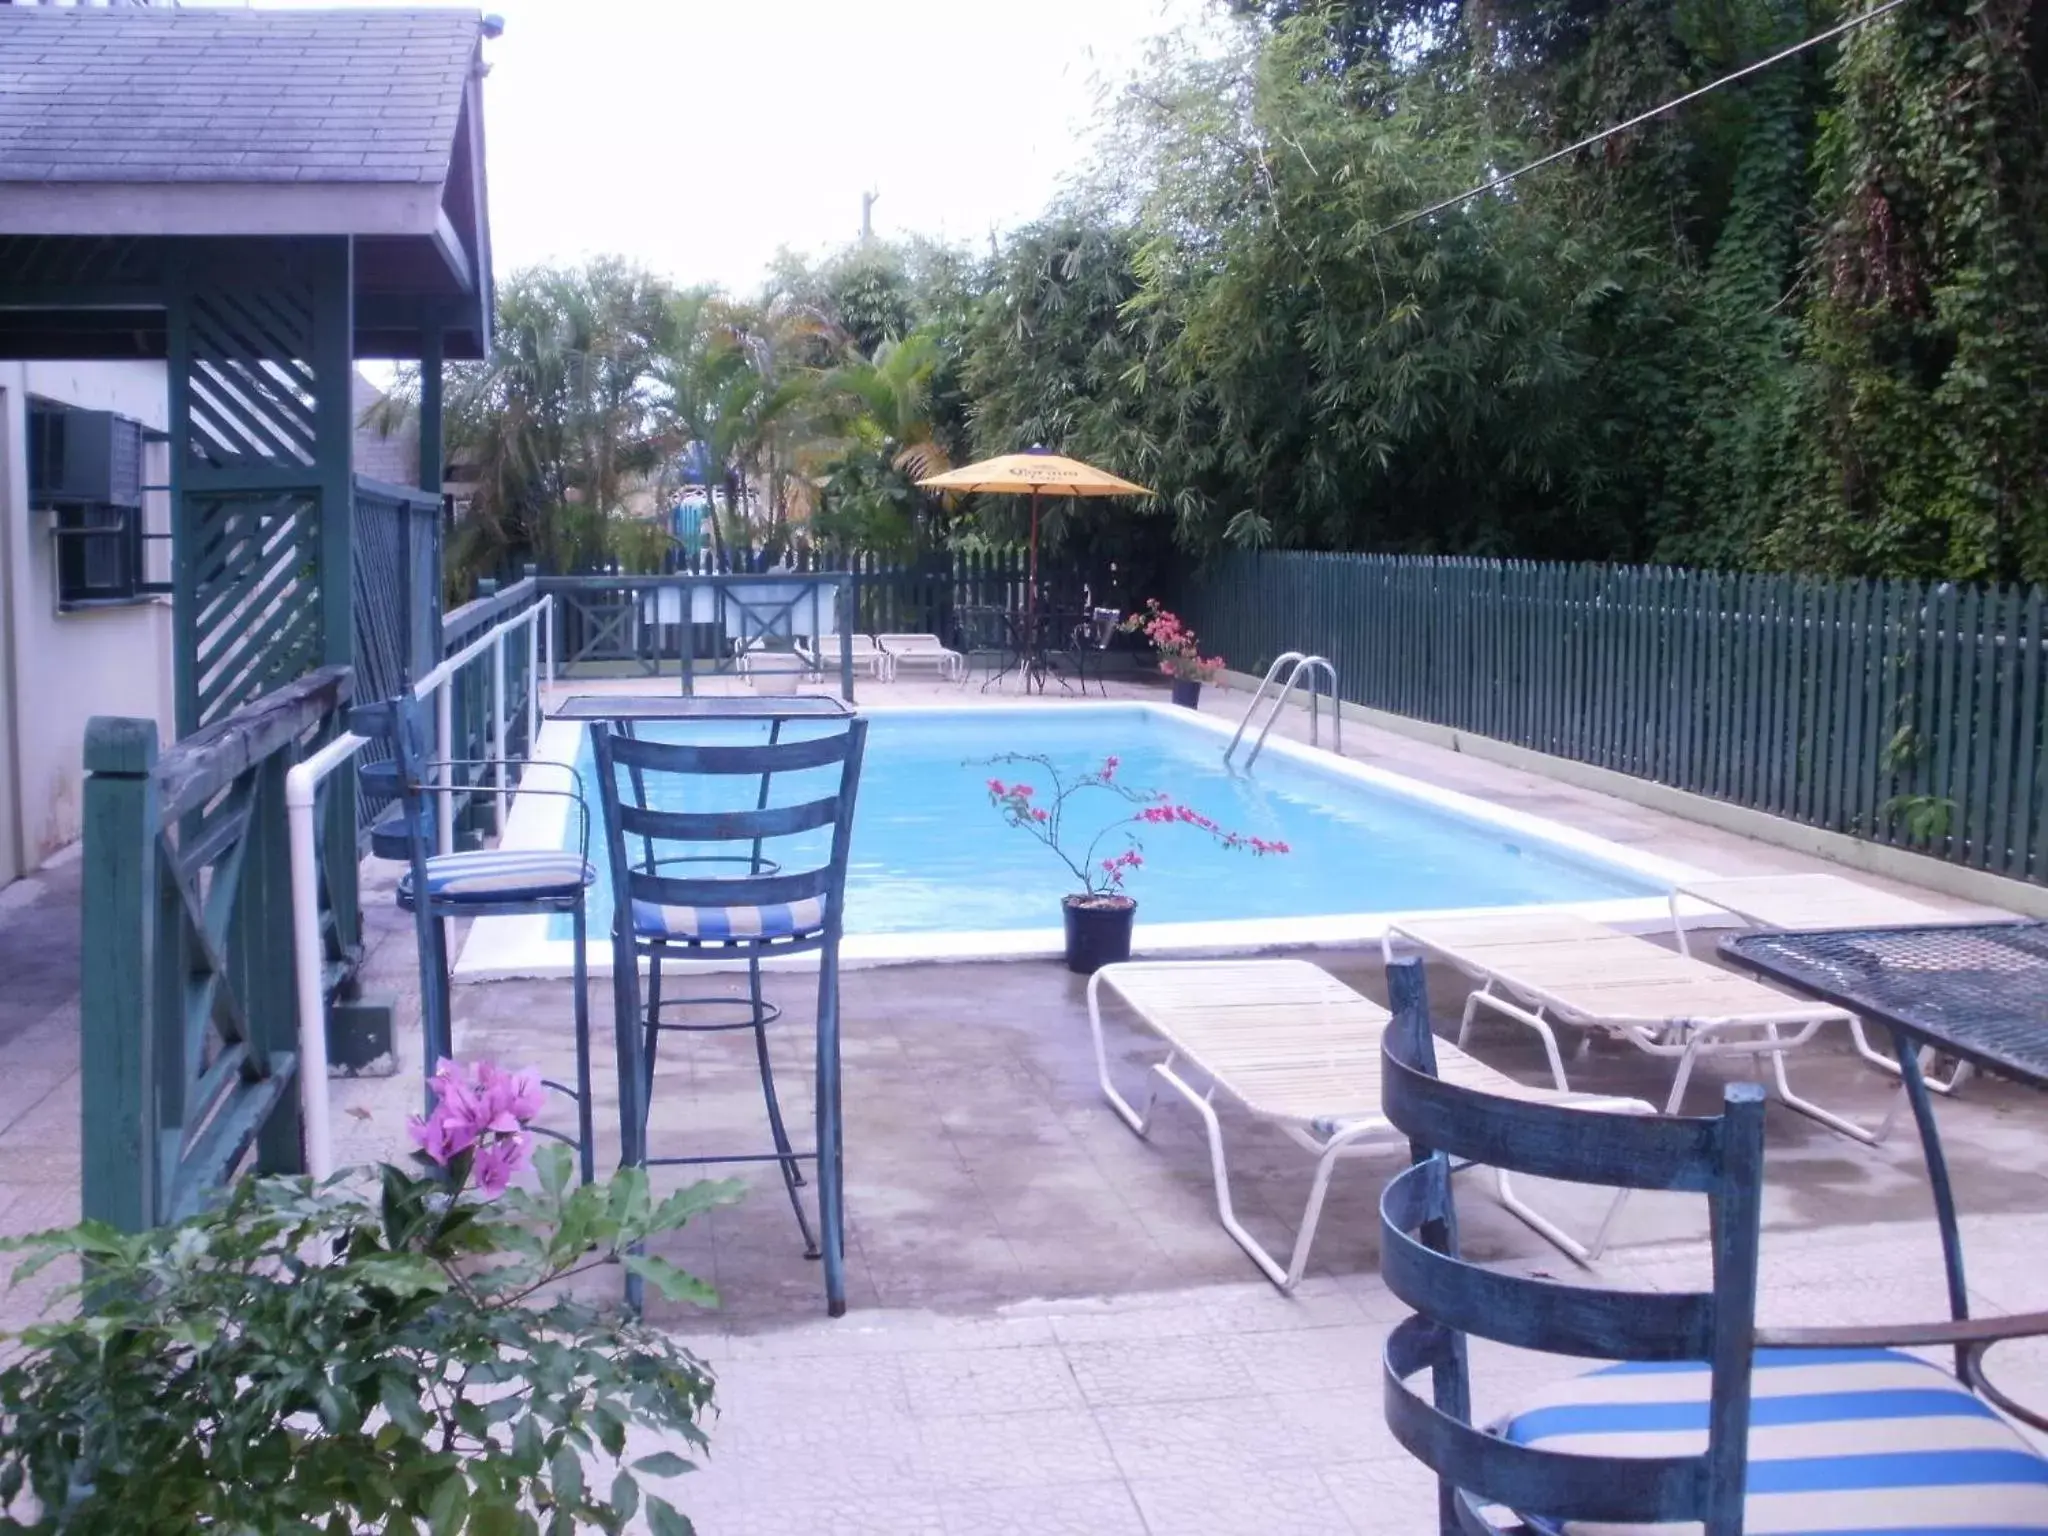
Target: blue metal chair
(478, 883)
(752, 908)
(1705, 1419)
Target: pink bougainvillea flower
(501, 1160)
(1142, 807)
(507, 1100)
(454, 1122)
(430, 1135)
(481, 1106)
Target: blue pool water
(931, 855)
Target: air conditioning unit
(83, 458)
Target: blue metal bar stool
(1706, 1418)
(751, 908)
(479, 883)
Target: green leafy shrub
(387, 1352)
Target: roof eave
(220, 208)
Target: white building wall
(57, 670)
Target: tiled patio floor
(1049, 1332)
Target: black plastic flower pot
(1098, 931)
(1186, 694)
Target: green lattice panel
(261, 383)
(256, 614)
(253, 392)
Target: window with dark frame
(98, 554)
(87, 471)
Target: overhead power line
(1643, 117)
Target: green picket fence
(1896, 711)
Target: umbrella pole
(1031, 599)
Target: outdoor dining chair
(758, 874)
(476, 883)
(1705, 1418)
(1091, 637)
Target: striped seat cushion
(502, 875)
(783, 920)
(1847, 1442)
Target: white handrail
(1301, 670)
(1259, 693)
(301, 788)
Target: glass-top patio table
(774, 707)
(1977, 992)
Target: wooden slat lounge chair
(924, 651)
(1295, 1046)
(1816, 902)
(1543, 969)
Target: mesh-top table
(1978, 992)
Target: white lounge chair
(868, 657)
(1548, 968)
(1295, 1046)
(1822, 902)
(924, 650)
(759, 656)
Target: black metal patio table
(1977, 992)
(1035, 654)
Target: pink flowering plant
(1101, 870)
(1179, 652)
(393, 1349)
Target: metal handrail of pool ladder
(1301, 668)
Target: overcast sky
(697, 136)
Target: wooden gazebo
(258, 198)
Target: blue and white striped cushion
(1842, 1442)
(502, 875)
(782, 920)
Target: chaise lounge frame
(1294, 1046)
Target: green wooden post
(431, 475)
(846, 604)
(2030, 827)
(332, 264)
(262, 935)
(120, 1181)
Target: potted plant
(1100, 915)
(388, 1350)
(1179, 653)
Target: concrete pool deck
(1049, 1331)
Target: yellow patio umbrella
(1035, 472)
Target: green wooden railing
(188, 1017)
(1898, 712)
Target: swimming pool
(936, 874)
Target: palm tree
(735, 379)
(557, 424)
(885, 442)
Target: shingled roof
(133, 95)
(125, 129)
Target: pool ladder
(1291, 670)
